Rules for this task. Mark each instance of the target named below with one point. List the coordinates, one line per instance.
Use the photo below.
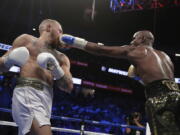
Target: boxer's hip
(161, 87)
(32, 82)
(32, 99)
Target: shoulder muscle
(21, 40)
(63, 59)
(137, 52)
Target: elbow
(96, 50)
(101, 51)
(69, 87)
(65, 84)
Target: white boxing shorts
(29, 103)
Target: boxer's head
(143, 38)
(52, 27)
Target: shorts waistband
(32, 82)
(161, 86)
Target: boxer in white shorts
(40, 65)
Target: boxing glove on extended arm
(74, 41)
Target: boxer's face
(56, 30)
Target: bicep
(65, 83)
(65, 64)
(116, 51)
(66, 69)
(136, 53)
(124, 52)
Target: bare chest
(36, 48)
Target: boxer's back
(155, 65)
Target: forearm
(95, 49)
(110, 51)
(65, 83)
(139, 125)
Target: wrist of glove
(58, 72)
(48, 61)
(73, 41)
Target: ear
(48, 28)
(143, 38)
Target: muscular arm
(113, 51)
(18, 42)
(126, 52)
(129, 52)
(65, 83)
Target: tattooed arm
(65, 83)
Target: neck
(47, 40)
(45, 36)
(148, 45)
